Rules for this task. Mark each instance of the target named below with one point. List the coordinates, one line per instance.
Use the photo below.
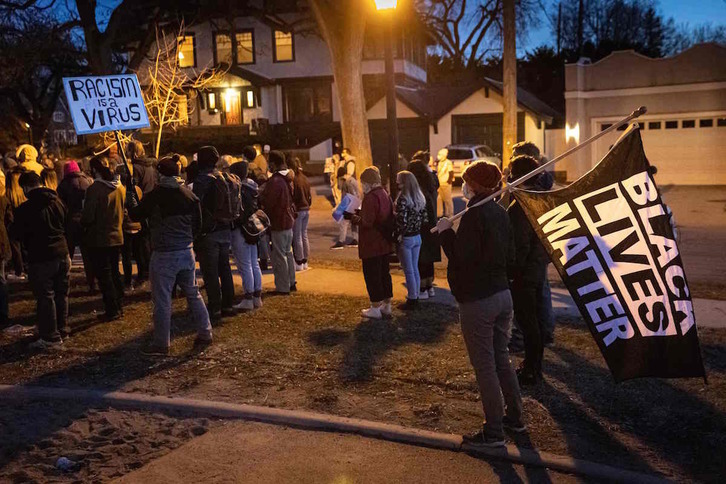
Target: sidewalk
(261, 453)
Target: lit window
(705, 123)
(245, 47)
(185, 51)
(284, 48)
(222, 48)
(671, 124)
(689, 123)
(212, 101)
(654, 125)
(250, 99)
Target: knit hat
(207, 156)
(169, 166)
(70, 167)
(520, 166)
(371, 176)
(482, 176)
(26, 153)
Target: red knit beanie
(483, 176)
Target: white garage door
(686, 151)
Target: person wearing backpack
(277, 202)
(249, 227)
(220, 208)
(376, 224)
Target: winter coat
(276, 199)
(479, 252)
(376, 221)
(145, 173)
(72, 190)
(250, 199)
(409, 220)
(40, 225)
(530, 264)
(429, 183)
(6, 214)
(103, 213)
(174, 214)
(301, 193)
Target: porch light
(228, 97)
(250, 99)
(212, 101)
(181, 55)
(572, 133)
(386, 4)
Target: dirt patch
(314, 352)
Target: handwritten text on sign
(105, 103)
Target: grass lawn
(313, 352)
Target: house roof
(433, 102)
(244, 73)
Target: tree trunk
(343, 29)
(509, 79)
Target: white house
(684, 131)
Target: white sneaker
(306, 266)
(257, 302)
(431, 291)
(386, 309)
(299, 267)
(245, 305)
(372, 313)
(423, 295)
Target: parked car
(462, 155)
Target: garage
(482, 129)
(413, 135)
(687, 150)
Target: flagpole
(635, 114)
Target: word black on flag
(609, 236)
(105, 103)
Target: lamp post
(388, 7)
(30, 133)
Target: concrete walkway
(260, 453)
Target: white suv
(462, 156)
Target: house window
(305, 103)
(705, 123)
(185, 51)
(250, 99)
(222, 48)
(721, 122)
(654, 125)
(605, 126)
(689, 123)
(284, 47)
(671, 124)
(245, 47)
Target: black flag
(609, 236)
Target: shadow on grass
(373, 338)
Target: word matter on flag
(105, 103)
(609, 236)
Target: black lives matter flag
(610, 237)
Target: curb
(317, 421)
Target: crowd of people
(168, 214)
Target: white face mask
(467, 192)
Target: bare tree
(168, 88)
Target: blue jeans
(408, 251)
(213, 252)
(245, 255)
(167, 269)
(300, 243)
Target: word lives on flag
(609, 235)
(105, 103)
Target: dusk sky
(693, 12)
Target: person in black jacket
(144, 168)
(527, 274)
(175, 217)
(479, 253)
(40, 224)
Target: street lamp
(389, 6)
(30, 133)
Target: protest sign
(105, 103)
(609, 236)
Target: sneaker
(352, 244)
(527, 379)
(155, 350)
(257, 302)
(409, 305)
(293, 288)
(372, 313)
(337, 246)
(263, 265)
(431, 291)
(386, 310)
(515, 426)
(215, 317)
(306, 266)
(423, 295)
(43, 345)
(245, 305)
(202, 343)
(299, 267)
(482, 440)
(228, 312)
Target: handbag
(256, 225)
